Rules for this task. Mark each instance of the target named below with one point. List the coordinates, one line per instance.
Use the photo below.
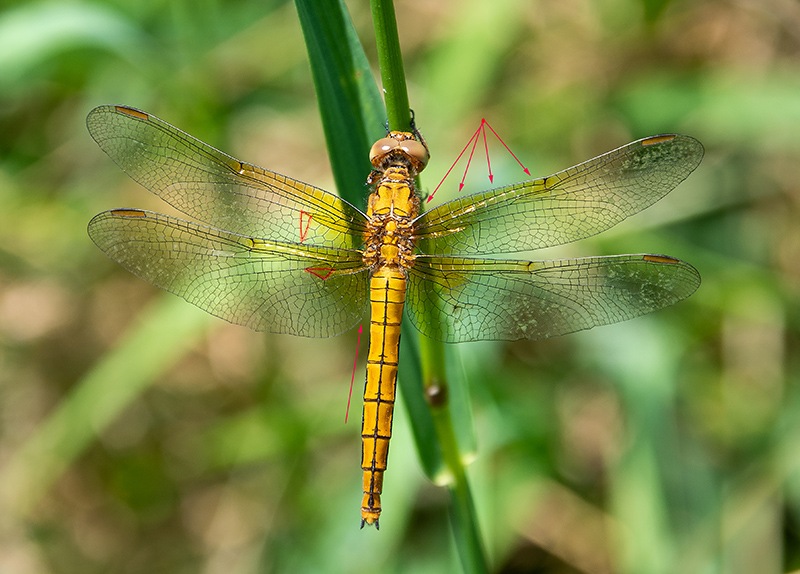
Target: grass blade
(349, 102)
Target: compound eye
(417, 151)
(382, 147)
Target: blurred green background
(139, 435)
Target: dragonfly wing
(569, 205)
(265, 285)
(219, 190)
(458, 299)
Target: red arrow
(453, 165)
(353, 376)
(525, 169)
(321, 272)
(304, 230)
(471, 145)
(486, 148)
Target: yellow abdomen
(387, 297)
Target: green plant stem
(463, 517)
(390, 61)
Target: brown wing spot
(132, 112)
(128, 213)
(661, 259)
(655, 140)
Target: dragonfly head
(399, 146)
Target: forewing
(458, 299)
(569, 205)
(219, 190)
(265, 285)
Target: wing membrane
(569, 205)
(480, 299)
(219, 190)
(264, 285)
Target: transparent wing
(480, 299)
(569, 205)
(265, 285)
(219, 190)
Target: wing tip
(692, 286)
(680, 140)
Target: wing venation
(572, 204)
(460, 299)
(265, 285)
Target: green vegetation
(140, 435)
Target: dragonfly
(269, 252)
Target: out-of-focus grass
(665, 444)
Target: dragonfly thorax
(392, 207)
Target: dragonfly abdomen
(387, 297)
